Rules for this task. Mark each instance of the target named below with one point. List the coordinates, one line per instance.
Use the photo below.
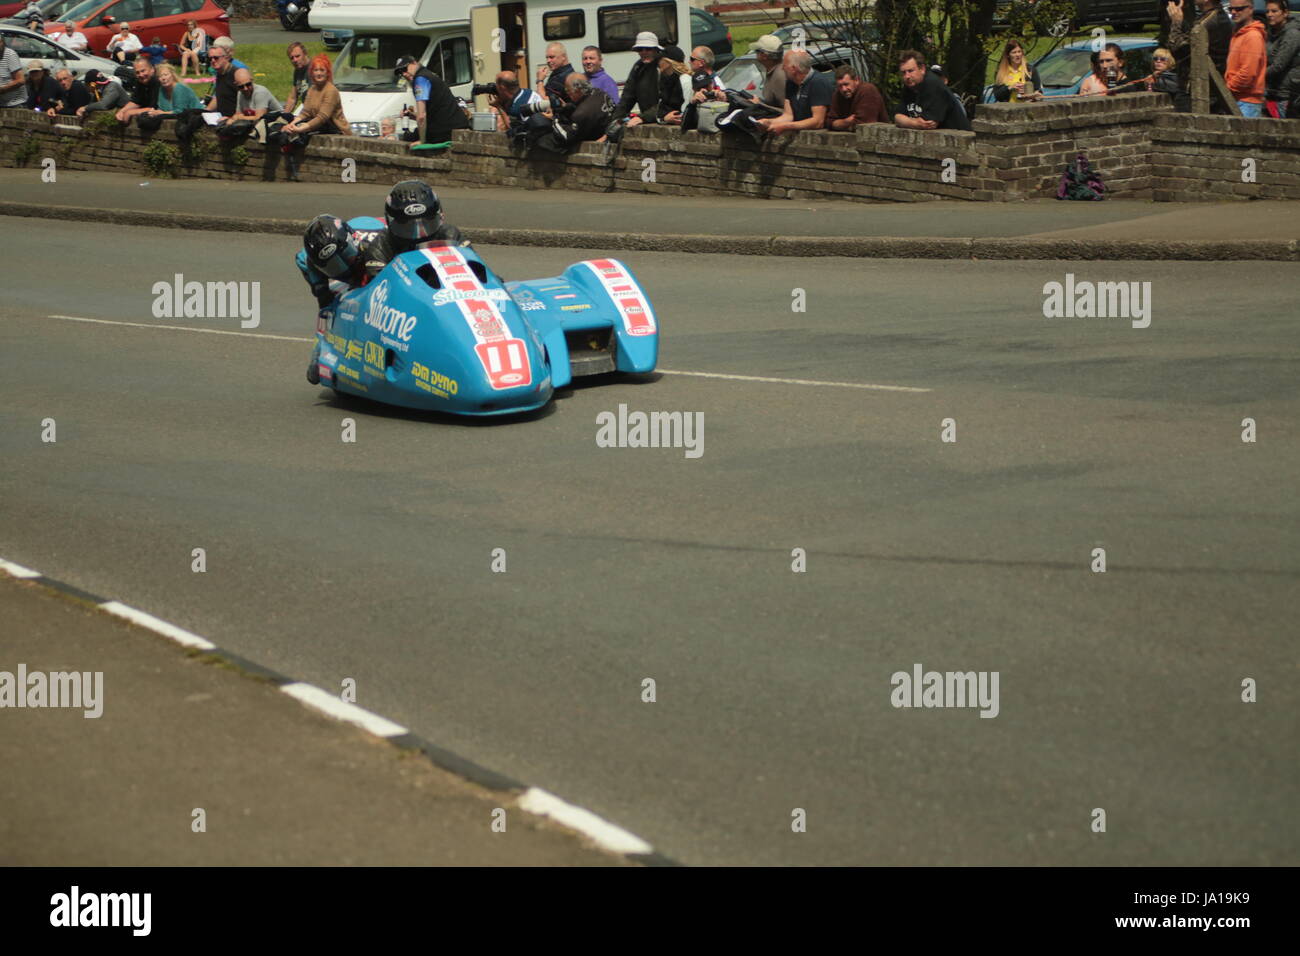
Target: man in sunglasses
(1247, 59)
(225, 95)
(252, 102)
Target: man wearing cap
(13, 83)
(69, 36)
(125, 45)
(73, 94)
(641, 91)
(436, 110)
(105, 92)
(42, 91)
(808, 96)
(767, 50)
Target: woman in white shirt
(193, 42)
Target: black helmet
(413, 211)
(329, 245)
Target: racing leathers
(380, 251)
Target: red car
(148, 19)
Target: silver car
(37, 46)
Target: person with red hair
(322, 112)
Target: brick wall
(1142, 148)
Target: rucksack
(1080, 181)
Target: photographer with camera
(512, 104)
(585, 118)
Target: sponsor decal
(354, 351)
(322, 321)
(567, 295)
(328, 251)
(375, 358)
(416, 209)
(504, 359)
(532, 305)
(552, 288)
(388, 320)
(638, 318)
(326, 372)
(433, 381)
(574, 308)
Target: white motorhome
(471, 44)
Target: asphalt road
(371, 560)
(269, 31)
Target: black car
(707, 30)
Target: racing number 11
(506, 362)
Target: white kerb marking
(181, 328)
(177, 634)
(797, 381)
(616, 839)
(335, 706)
(17, 570)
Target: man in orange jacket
(1247, 59)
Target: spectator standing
(301, 81)
(106, 93)
(42, 90)
(593, 66)
(69, 36)
(1283, 77)
(13, 82)
(1016, 81)
(1247, 59)
(1108, 72)
(855, 103)
(927, 102)
(227, 44)
(808, 96)
(770, 100)
(73, 94)
(1218, 27)
(641, 91)
(124, 45)
(436, 109)
(193, 44)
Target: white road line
(17, 570)
(177, 634)
(797, 381)
(665, 371)
(334, 706)
(180, 328)
(604, 833)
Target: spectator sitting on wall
(1016, 81)
(224, 95)
(771, 99)
(514, 104)
(322, 112)
(551, 76)
(1107, 72)
(73, 94)
(808, 97)
(174, 97)
(253, 102)
(1283, 76)
(300, 61)
(1247, 59)
(854, 103)
(674, 85)
(227, 44)
(106, 93)
(585, 120)
(67, 34)
(144, 101)
(124, 45)
(193, 44)
(927, 102)
(641, 91)
(593, 66)
(43, 92)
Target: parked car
(148, 19)
(1063, 70)
(744, 75)
(1121, 14)
(52, 10)
(707, 30)
(335, 37)
(36, 46)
